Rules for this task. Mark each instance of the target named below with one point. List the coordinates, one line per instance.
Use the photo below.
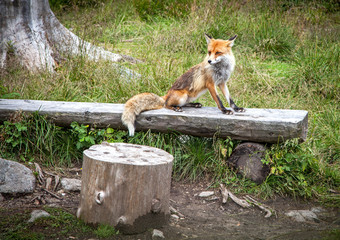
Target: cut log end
(130, 154)
(126, 186)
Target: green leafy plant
(294, 171)
(85, 135)
(105, 231)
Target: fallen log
(255, 125)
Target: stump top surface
(130, 154)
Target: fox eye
(209, 52)
(217, 53)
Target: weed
(86, 136)
(34, 138)
(105, 231)
(60, 224)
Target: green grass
(60, 223)
(287, 55)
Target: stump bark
(126, 186)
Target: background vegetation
(287, 56)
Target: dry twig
(48, 183)
(261, 206)
(51, 193)
(174, 211)
(226, 193)
(56, 182)
(40, 173)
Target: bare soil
(199, 218)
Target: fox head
(219, 50)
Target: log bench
(255, 125)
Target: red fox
(214, 71)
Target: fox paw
(197, 105)
(226, 111)
(177, 109)
(238, 109)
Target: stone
(246, 158)
(318, 210)
(1, 198)
(295, 215)
(302, 215)
(38, 214)
(308, 215)
(157, 234)
(71, 184)
(15, 178)
(174, 218)
(206, 194)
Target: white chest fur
(222, 70)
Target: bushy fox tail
(137, 104)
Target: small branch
(36, 197)
(40, 173)
(48, 183)
(51, 193)
(239, 201)
(174, 211)
(75, 170)
(56, 180)
(226, 193)
(261, 206)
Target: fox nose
(209, 61)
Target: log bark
(126, 186)
(255, 125)
(247, 159)
(30, 29)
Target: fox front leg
(226, 93)
(236, 108)
(213, 93)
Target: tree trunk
(31, 31)
(126, 186)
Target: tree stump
(126, 186)
(30, 31)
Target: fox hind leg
(175, 100)
(194, 105)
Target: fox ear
(232, 38)
(208, 38)
(231, 41)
